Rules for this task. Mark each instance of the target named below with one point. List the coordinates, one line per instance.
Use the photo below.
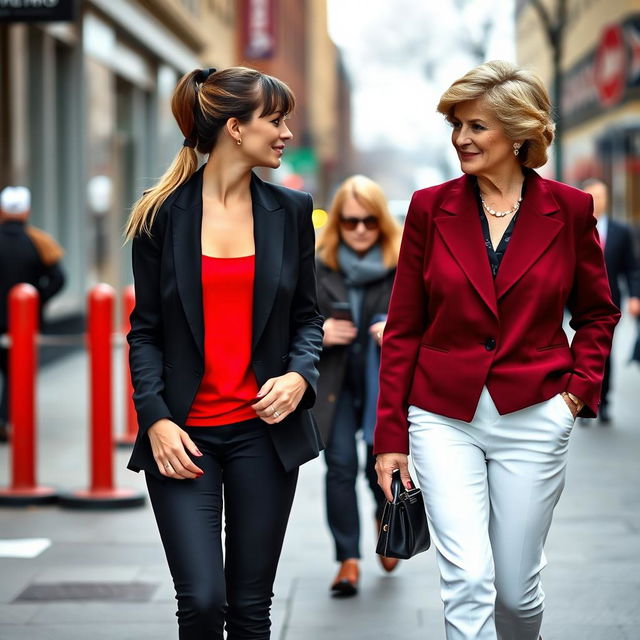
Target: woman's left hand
(280, 396)
(573, 402)
(376, 330)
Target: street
(592, 581)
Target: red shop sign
(610, 68)
(259, 29)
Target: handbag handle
(398, 490)
(396, 486)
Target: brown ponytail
(202, 103)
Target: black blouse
(496, 255)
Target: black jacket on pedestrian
(334, 360)
(167, 325)
(621, 261)
(20, 262)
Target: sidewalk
(592, 581)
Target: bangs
(365, 200)
(368, 194)
(276, 97)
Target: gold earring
(239, 141)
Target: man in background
(622, 263)
(27, 255)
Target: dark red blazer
(452, 329)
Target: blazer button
(490, 344)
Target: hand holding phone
(341, 311)
(339, 328)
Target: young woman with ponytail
(224, 341)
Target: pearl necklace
(501, 214)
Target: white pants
(490, 487)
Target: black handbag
(403, 530)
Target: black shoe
(603, 416)
(346, 582)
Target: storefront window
(101, 240)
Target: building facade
(289, 39)
(85, 120)
(600, 99)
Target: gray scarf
(359, 271)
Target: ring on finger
(167, 466)
(276, 414)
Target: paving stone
(88, 592)
(103, 573)
(71, 631)
(99, 613)
(21, 613)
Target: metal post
(131, 419)
(23, 307)
(102, 494)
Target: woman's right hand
(338, 332)
(169, 444)
(386, 464)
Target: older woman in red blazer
(478, 379)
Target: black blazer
(620, 258)
(167, 328)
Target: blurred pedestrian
(27, 254)
(478, 379)
(225, 337)
(635, 352)
(622, 264)
(357, 257)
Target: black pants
(341, 456)
(4, 395)
(606, 383)
(240, 461)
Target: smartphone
(341, 311)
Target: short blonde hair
(518, 99)
(371, 196)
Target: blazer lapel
(268, 234)
(187, 252)
(462, 233)
(534, 231)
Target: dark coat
(20, 262)
(333, 360)
(621, 261)
(167, 326)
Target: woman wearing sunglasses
(357, 257)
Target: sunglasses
(351, 224)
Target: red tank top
(228, 386)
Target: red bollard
(131, 419)
(102, 494)
(23, 303)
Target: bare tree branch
(544, 16)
